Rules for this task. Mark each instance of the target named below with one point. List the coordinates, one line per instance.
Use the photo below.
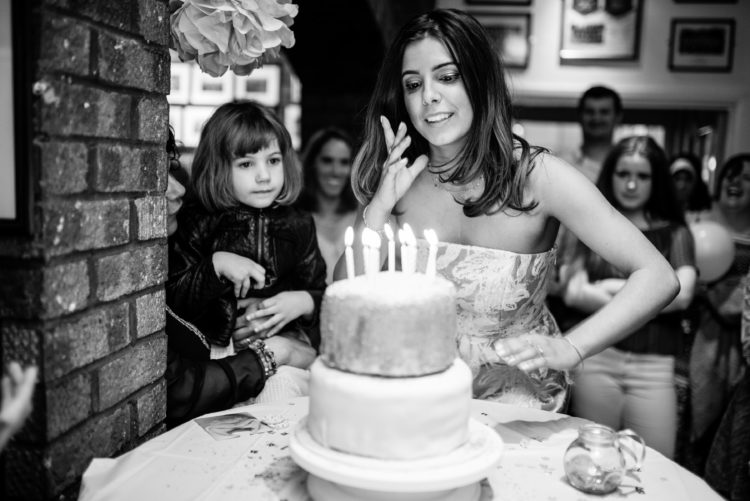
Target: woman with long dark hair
(453, 164)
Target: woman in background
(631, 385)
(692, 193)
(327, 191)
(716, 364)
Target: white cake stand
(336, 475)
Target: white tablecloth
(186, 463)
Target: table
(187, 463)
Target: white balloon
(714, 249)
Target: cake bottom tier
(390, 418)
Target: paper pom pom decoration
(232, 34)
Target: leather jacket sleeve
(193, 289)
(311, 277)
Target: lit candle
(348, 252)
(391, 248)
(432, 239)
(375, 251)
(411, 249)
(404, 257)
(370, 253)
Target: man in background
(599, 113)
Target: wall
(647, 82)
(82, 296)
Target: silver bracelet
(364, 220)
(578, 352)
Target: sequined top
(501, 294)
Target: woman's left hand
(535, 351)
(277, 311)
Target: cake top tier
(389, 324)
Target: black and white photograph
(375, 250)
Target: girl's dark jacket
(280, 239)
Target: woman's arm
(565, 194)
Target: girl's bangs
(249, 137)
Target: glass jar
(600, 457)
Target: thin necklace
(451, 186)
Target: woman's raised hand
(396, 176)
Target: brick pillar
(82, 297)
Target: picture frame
(701, 45)
(193, 118)
(498, 2)
(208, 90)
(16, 75)
(263, 85)
(293, 123)
(179, 89)
(600, 31)
(511, 34)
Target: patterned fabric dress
(501, 294)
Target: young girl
(238, 237)
(631, 385)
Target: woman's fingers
(245, 287)
(387, 131)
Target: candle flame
(388, 232)
(431, 237)
(370, 238)
(409, 237)
(349, 236)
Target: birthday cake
(388, 383)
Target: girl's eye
(244, 164)
(621, 175)
(644, 177)
(274, 160)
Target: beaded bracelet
(578, 352)
(364, 220)
(266, 357)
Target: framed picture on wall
(498, 2)
(511, 35)
(600, 31)
(205, 89)
(16, 77)
(193, 118)
(701, 45)
(262, 85)
(179, 89)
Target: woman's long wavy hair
(662, 204)
(491, 151)
(308, 199)
(233, 131)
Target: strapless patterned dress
(501, 294)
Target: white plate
(469, 463)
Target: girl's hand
(281, 309)
(241, 271)
(290, 351)
(535, 351)
(396, 177)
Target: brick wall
(82, 297)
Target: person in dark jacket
(196, 384)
